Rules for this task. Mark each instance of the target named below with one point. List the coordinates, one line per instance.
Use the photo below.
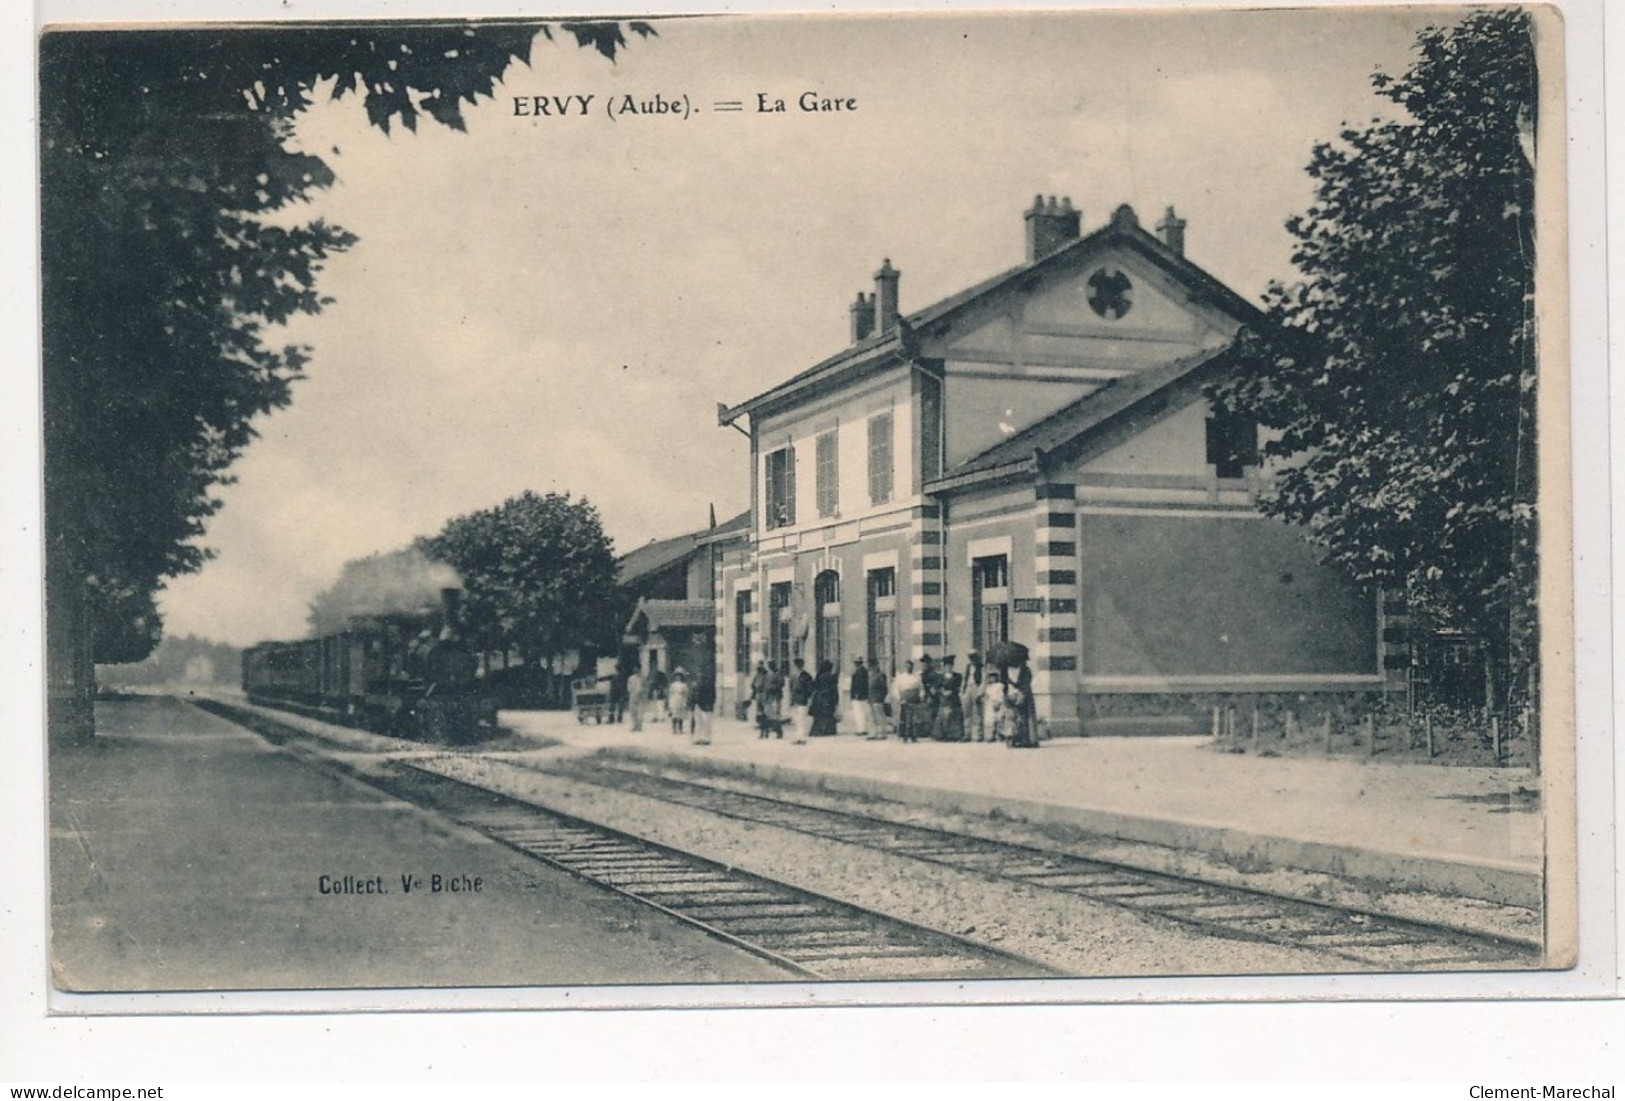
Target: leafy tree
(405, 580)
(126, 625)
(1399, 373)
(170, 249)
(538, 576)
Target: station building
(671, 583)
(1034, 459)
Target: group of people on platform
(677, 699)
(982, 704)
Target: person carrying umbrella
(1010, 659)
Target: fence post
(1326, 734)
(1370, 736)
(1215, 723)
(1495, 737)
(1255, 728)
(1427, 725)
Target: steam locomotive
(405, 674)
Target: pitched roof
(1064, 434)
(1123, 229)
(654, 557)
(651, 558)
(734, 525)
(662, 614)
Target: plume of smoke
(402, 581)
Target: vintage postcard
(690, 510)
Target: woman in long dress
(826, 697)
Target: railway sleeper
(871, 950)
(792, 928)
(1157, 900)
(1116, 892)
(782, 940)
(648, 869)
(799, 911)
(747, 896)
(632, 864)
(700, 885)
(1076, 875)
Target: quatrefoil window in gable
(1111, 294)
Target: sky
(559, 304)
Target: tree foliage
(538, 575)
(171, 249)
(1399, 372)
(126, 626)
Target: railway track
(1237, 913)
(810, 935)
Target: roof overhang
(1098, 419)
(869, 356)
(1004, 472)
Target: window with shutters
(829, 474)
(781, 488)
(880, 458)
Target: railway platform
(188, 855)
(1473, 833)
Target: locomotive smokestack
(451, 602)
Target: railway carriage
(408, 675)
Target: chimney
(1172, 231)
(886, 297)
(1050, 225)
(863, 317)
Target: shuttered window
(880, 458)
(781, 488)
(829, 474)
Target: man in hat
(801, 690)
(950, 719)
